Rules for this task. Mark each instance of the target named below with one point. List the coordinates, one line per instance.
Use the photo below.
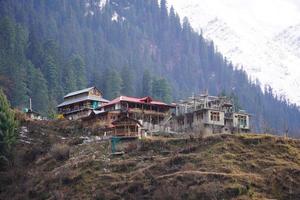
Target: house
(81, 103)
(151, 114)
(126, 126)
(33, 114)
(208, 115)
(241, 121)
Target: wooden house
(126, 126)
(81, 103)
(149, 112)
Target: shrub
(60, 152)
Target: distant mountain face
(262, 36)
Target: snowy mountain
(262, 36)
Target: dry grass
(60, 152)
(218, 167)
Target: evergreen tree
(146, 84)
(8, 125)
(79, 71)
(69, 78)
(13, 41)
(46, 33)
(127, 81)
(53, 79)
(38, 91)
(113, 84)
(161, 90)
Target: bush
(60, 152)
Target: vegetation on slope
(8, 126)
(55, 163)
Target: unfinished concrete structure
(206, 114)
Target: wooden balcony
(148, 112)
(72, 110)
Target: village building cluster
(135, 117)
(206, 114)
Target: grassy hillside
(53, 161)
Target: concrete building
(206, 114)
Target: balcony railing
(151, 112)
(71, 110)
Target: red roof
(144, 100)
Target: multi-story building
(209, 114)
(149, 113)
(81, 103)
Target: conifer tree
(113, 84)
(146, 84)
(53, 79)
(127, 81)
(38, 91)
(8, 125)
(161, 90)
(79, 71)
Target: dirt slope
(54, 161)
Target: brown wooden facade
(80, 103)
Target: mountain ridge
(252, 38)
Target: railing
(137, 110)
(69, 110)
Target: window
(215, 116)
(199, 116)
(242, 121)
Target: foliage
(68, 45)
(127, 82)
(8, 125)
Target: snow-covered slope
(263, 36)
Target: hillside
(221, 166)
(49, 48)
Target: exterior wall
(78, 115)
(200, 122)
(237, 124)
(34, 116)
(75, 107)
(208, 118)
(151, 116)
(94, 92)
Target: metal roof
(79, 92)
(91, 98)
(137, 100)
